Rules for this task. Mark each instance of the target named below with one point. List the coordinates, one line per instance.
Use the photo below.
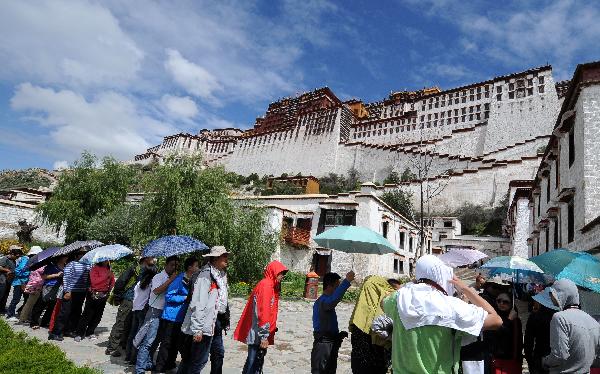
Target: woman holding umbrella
(52, 277)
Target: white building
(518, 217)
(565, 198)
(299, 218)
(443, 228)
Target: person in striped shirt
(76, 281)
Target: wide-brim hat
(216, 251)
(545, 299)
(34, 250)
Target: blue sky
(114, 77)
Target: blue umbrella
(105, 253)
(580, 267)
(41, 258)
(173, 245)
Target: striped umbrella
(173, 245)
(106, 253)
(75, 246)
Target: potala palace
(476, 137)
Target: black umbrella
(75, 246)
(41, 258)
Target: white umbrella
(461, 256)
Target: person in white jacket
(207, 316)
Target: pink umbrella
(461, 256)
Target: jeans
(144, 359)
(70, 313)
(16, 297)
(194, 356)
(136, 322)
(254, 361)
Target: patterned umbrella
(105, 253)
(354, 239)
(580, 267)
(461, 256)
(70, 248)
(173, 245)
(41, 258)
(517, 268)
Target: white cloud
(195, 79)
(181, 107)
(522, 34)
(59, 165)
(65, 42)
(109, 124)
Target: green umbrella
(355, 239)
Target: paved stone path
(291, 353)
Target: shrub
(21, 354)
(6, 243)
(400, 201)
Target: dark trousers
(255, 360)
(16, 297)
(92, 314)
(323, 358)
(38, 309)
(120, 330)
(70, 314)
(137, 321)
(194, 356)
(167, 354)
(4, 291)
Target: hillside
(27, 178)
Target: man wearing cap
(574, 334)
(207, 316)
(18, 284)
(7, 273)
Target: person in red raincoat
(258, 322)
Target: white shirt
(140, 297)
(158, 301)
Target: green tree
(84, 191)
(392, 178)
(116, 226)
(181, 197)
(401, 202)
(407, 175)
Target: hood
(273, 269)
(565, 292)
(432, 268)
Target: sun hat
(14, 247)
(34, 250)
(216, 251)
(545, 299)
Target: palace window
(541, 89)
(547, 239)
(402, 239)
(499, 89)
(571, 145)
(541, 79)
(384, 229)
(547, 190)
(571, 221)
(499, 97)
(556, 230)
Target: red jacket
(259, 318)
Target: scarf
(221, 278)
(368, 305)
(420, 304)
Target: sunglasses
(502, 301)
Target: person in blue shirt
(176, 305)
(18, 284)
(327, 336)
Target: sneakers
(77, 339)
(116, 353)
(93, 337)
(13, 319)
(108, 352)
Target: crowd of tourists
(433, 324)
